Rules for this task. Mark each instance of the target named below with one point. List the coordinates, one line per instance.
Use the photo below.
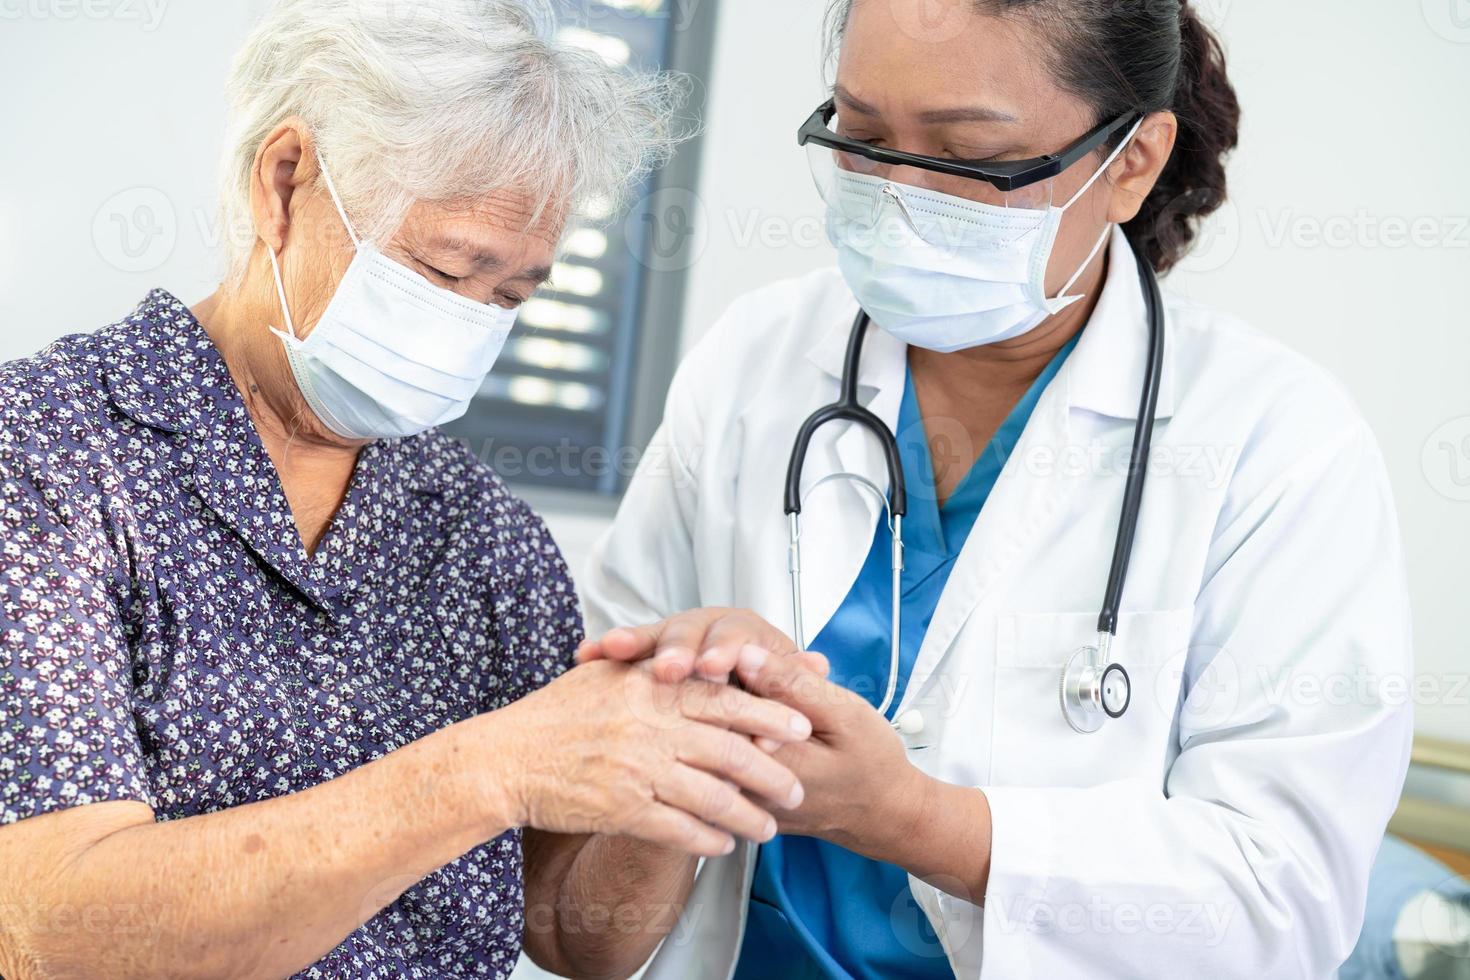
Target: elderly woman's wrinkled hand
(609, 748)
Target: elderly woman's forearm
(597, 907)
(259, 890)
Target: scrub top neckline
(947, 525)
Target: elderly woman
(281, 668)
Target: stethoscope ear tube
(847, 408)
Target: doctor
(1224, 823)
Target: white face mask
(393, 354)
(946, 273)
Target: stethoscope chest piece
(1093, 690)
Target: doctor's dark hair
(1141, 56)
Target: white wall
(1355, 133)
(112, 128)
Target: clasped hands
(844, 771)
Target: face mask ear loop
(281, 290)
(1107, 229)
(1102, 240)
(1106, 164)
(332, 190)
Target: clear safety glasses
(856, 179)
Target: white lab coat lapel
(1020, 504)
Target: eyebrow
(479, 256)
(492, 262)
(538, 274)
(932, 116)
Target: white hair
(440, 100)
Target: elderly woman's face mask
(393, 354)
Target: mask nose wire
(894, 193)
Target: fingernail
(729, 845)
(770, 828)
(669, 653)
(801, 725)
(752, 659)
(798, 793)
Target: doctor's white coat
(1226, 824)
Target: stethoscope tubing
(847, 408)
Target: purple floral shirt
(164, 637)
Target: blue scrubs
(817, 910)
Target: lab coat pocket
(1032, 743)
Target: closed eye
(441, 274)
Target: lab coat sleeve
(1252, 859)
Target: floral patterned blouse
(164, 637)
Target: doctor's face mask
(393, 354)
(944, 272)
(963, 152)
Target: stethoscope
(1092, 687)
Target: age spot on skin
(253, 843)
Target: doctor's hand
(862, 792)
(702, 642)
(609, 749)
